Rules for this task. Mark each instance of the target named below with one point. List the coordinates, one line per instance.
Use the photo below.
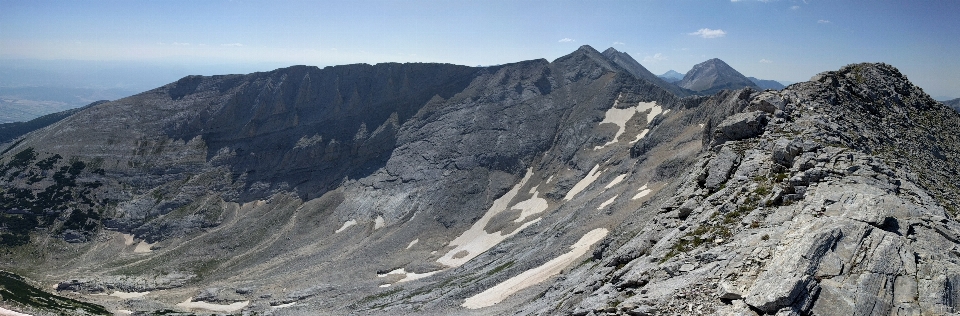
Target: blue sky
(783, 40)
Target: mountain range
(955, 104)
(671, 76)
(583, 185)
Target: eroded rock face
(808, 222)
(831, 197)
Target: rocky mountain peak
(714, 75)
(542, 188)
(634, 68)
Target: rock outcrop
(576, 185)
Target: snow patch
(378, 223)
(7, 312)
(414, 242)
(127, 239)
(284, 305)
(128, 295)
(641, 135)
(608, 202)
(643, 192)
(536, 275)
(346, 225)
(475, 240)
(214, 307)
(621, 116)
(408, 276)
(615, 181)
(143, 247)
(534, 205)
(584, 183)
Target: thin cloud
(658, 57)
(796, 7)
(181, 44)
(823, 22)
(765, 61)
(618, 43)
(232, 45)
(566, 40)
(708, 33)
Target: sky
(786, 40)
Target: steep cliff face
(571, 186)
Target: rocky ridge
(631, 65)
(583, 187)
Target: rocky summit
(576, 187)
(712, 76)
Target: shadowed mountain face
(714, 75)
(567, 187)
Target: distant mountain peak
(671, 76)
(714, 75)
(631, 65)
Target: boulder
(740, 126)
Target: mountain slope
(563, 187)
(10, 131)
(671, 76)
(633, 67)
(955, 104)
(766, 84)
(714, 75)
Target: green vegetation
(63, 204)
(14, 288)
(371, 298)
(719, 225)
(500, 268)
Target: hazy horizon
(776, 40)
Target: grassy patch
(13, 288)
(500, 268)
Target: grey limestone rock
(740, 126)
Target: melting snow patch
(126, 295)
(621, 116)
(643, 192)
(616, 180)
(214, 307)
(346, 225)
(143, 247)
(641, 135)
(378, 223)
(536, 275)
(7, 312)
(414, 242)
(408, 276)
(475, 240)
(608, 202)
(533, 206)
(285, 305)
(701, 125)
(127, 239)
(584, 183)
